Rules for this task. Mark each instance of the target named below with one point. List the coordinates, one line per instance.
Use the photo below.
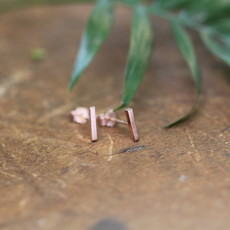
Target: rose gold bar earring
(81, 115)
(93, 123)
(109, 119)
(132, 124)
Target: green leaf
(207, 10)
(221, 26)
(97, 30)
(217, 10)
(172, 5)
(185, 44)
(218, 45)
(139, 53)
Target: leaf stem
(174, 17)
(168, 15)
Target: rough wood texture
(53, 177)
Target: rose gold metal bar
(132, 124)
(93, 123)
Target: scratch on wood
(196, 154)
(30, 140)
(62, 183)
(226, 129)
(14, 79)
(60, 194)
(84, 139)
(55, 112)
(10, 175)
(88, 165)
(133, 149)
(110, 148)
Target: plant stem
(158, 11)
(174, 17)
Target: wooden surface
(53, 178)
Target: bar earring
(93, 123)
(81, 115)
(132, 124)
(109, 119)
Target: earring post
(119, 121)
(132, 124)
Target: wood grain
(53, 177)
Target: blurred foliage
(37, 54)
(209, 18)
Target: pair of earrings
(81, 115)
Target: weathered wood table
(53, 178)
